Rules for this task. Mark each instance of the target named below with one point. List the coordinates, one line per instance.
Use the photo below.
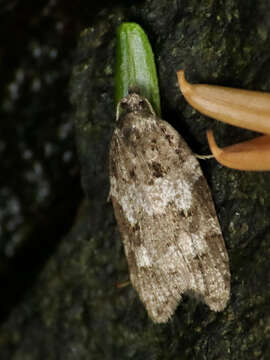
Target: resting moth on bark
(165, 214)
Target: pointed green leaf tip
(135, 65)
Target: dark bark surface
(73, 309)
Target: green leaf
(135, 65)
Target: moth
(165, 214)
(244, 108)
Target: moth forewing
(165, 214)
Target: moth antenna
(150, 106)
(203, 157)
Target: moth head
(135, 103)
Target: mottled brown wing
(165, 214)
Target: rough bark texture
(74, 310)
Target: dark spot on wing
(185, 214)
(132, 174)
(167, 136)
(157, 169)
(136, 227)
(154, 146)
